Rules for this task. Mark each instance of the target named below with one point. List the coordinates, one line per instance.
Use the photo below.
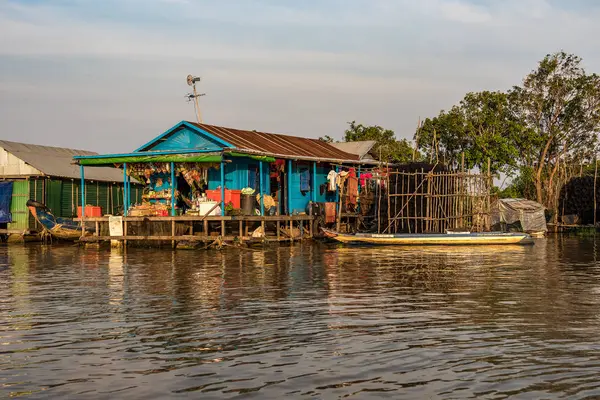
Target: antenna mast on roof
(191, 81)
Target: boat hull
(59, 228)
(460, 239)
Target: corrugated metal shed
(56, 161)
(277, 144)
(361, 148)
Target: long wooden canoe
(485, 238)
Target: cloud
(464, 12)
(117, 67)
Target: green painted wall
(18, 207)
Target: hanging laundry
(341, 178)
(364, 178)
(280, 165)
(331, 177)
(352, 189)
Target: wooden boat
(444, 239)
(59, 228)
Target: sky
(109, 75)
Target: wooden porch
(204, 229)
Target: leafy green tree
(481, 127)
(387, 148)
(559, 105)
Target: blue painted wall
(236, 178)
(237, 175)
(299, 199)
(185, 138)
(322, 171)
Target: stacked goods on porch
(149, 210)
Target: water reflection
(305, 320)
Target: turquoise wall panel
(236, 178)
(322, 172)
(186, 139)
(299, 200)
(236, 174)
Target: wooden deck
(207, 229)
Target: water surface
(304, 321)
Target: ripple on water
(302, 321)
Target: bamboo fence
(435, 202)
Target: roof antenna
(191, 81)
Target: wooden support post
(97, 228)
(402, 201)
(125, 208)
(205, 228)
(291, 232)
(173, 243)
(192, 228)
(278, 228)
(389, 204)
(262, 225)
(125, 232)
(241, 226)
(223, 228)
(338, 224)
(595, 181)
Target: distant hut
(47, 174)
(363, 149)
(518, 215)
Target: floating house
(47, 174)
(293, 171)
(195, 174)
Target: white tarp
(529, 214)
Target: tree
(559, 106)
(481, 127)
(387, 148)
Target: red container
(231, 196)
(162, 213)
(90, 211)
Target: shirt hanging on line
(331, 177)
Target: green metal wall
(68, 199)
(63, 196)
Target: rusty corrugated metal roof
(277, 144)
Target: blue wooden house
(292, 169)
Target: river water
(305, 321)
